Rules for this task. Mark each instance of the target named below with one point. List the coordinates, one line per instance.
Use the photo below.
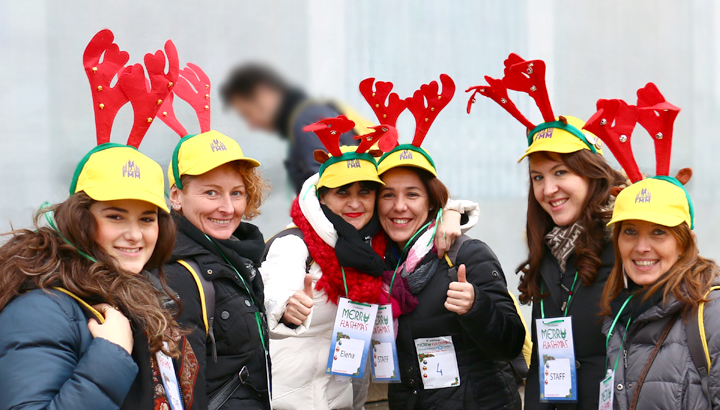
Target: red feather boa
(361, 287)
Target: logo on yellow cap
(643, 196)
(406, 155)
(217, 145)
(130, 170)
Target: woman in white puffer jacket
(301, 314)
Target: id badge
(384, 351)
(607, 392)
(438, 363)
(350, 340)
(167, 373)
(556, 354)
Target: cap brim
(649, 216)
(116, 193)
(557, 148)
(347, 179)
(206, 166)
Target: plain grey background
(593, 49)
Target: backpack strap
(82, 303)
(697, 343)
(206, 290)
(293, 230)
(452, 254)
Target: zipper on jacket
(625, 357)
(211, 335)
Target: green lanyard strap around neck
(612, 327)
(49, 217)
(247, 289)
(567, 305)
(424, 227)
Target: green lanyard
(438, 219)
(49, 216)
(612, 327)
(567, 305)
(257, 314)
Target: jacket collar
(310, 207)
(247, 243)
(291, 99)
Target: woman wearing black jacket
(570, 249)
(216, 256)
(471, 308)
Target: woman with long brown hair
(661, 319)
(570, 251)
(90, 262)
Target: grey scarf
(561, 241)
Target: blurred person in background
(268, 102)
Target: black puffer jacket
(235, 329)
(589, 340)
(484, 338)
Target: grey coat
(673, 381)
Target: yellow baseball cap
(406, 155)
(562, 138)
(112, 172)
(348, 168)
(198, 154)
(661, 200)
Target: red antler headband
(193, 87)
(615, 120)
(132, 85)
(529, 77)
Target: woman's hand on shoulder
(116, 328)
(300, 304)
(460, 294)
(447, 232)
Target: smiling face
(647, 250)
(213, 202)
(558, 190)
(354, 203)
(403, 204)
(127, 230)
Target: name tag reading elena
(350, 343)
(556, 354)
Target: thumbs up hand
(461, 294)
(300, 304)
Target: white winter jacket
(299, 356)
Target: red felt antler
(657, 116)
(529, 77)
(329, 131)
(146, 101)
(386, 113)
(167, 115)
(385, 135)
(425, 115)
(496, 91)
(198, 96)
(613, 123)
(106, 100)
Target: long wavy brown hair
(689, 279)
(41, 259)
(595, 214)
